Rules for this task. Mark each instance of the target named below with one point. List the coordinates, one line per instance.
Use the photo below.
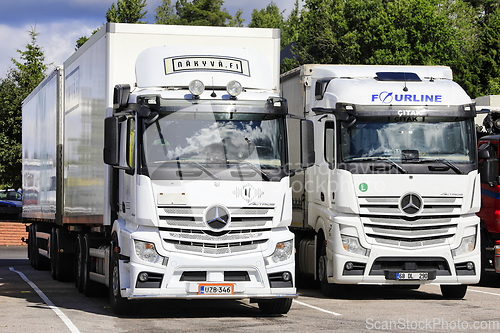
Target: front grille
(433, 206)
(184, 228)
(215, 248)
(193, 217)
(229, 276)
(386, 224)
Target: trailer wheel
(79, 257)
(89, 286)
(119, 305)
(328, 289)
(275, 306)
(31, 245)
(41, 262)
(453, 291)
(54, 255)
(64, 261)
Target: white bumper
(184, 273)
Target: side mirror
(307, 154)
(483, 154)
(121, 94)
(111, 142)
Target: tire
(453, 291)
(41, 262)
(328, 289)
(54, 255)
(28, 243)
(79, 258)
(64, 265)
(276, 306)
(89, 287)
(119, 305)
(31, 245)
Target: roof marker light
(234, 88)
(196, 87)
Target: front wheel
(453, 291)
(119, 305)
(328, 289)
(275, 306)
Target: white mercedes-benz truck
(155, 163)
(392, 196)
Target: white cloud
(57, 39)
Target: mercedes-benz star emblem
(411, 204)
(217, 217)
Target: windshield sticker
(387, 97)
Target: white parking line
(316, 308)
(47, 301)
(483, 292)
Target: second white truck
(392, 196)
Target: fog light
(234, 88)
(349, 265)
(286, 276)
(143, 277)
(470, 266)
(196, 87)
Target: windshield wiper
(384, 159)
(453, 166)
(264, 175)
(197, 164)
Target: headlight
(282, 252)
(146, 251)
(351, 244)
(467, 245)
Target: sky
(60, 23)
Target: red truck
(488, 154)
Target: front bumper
(184, 274)
(384, 263)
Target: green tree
(400, 32)
(82, 40)
(269, 17)
(489, 54)
(237, 20)
(18, 84)
(165, 13)
(202, 12)
(127, 11)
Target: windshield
(429, 139)
(188, 145)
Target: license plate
(215, 289)
(421, 276)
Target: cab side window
(330, 143)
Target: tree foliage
(127, 11)
(29, 71)
(398, 32)
(269, 17)
(196, 12)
